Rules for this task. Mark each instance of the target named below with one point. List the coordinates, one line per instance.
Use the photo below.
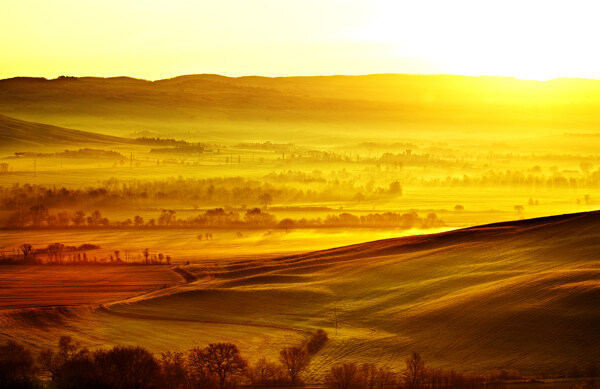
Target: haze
(156, 39)
(186, 224)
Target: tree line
(231, 190)
(215, 366)
(81, 153)
(221, 365)
(38, 216)
(60, 254)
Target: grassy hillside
(219, 108)
(520, 295)
(20, 135)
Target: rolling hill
(20, 135)
(215, 107)
(521, 295)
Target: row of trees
(415, 376)
(231, 190)
(218, 365)
(81, 153)
(39, 216)
(60, 254)
(516, 178)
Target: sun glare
(537, 40)
(529, 39)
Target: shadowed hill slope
(343, 105)
(520, 295)
(15, 133)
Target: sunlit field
(331, 194)
(256, 211)
(438, 293)
(184, 246)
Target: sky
(160, 39)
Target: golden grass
(520, 295)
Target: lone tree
(146, 255)
(287, 224)
(222, 359)
(295, 360)
(395, 188)
(519, 209)
(265, 199)
(26, 249)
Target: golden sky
(160, 39)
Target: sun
(537, 40)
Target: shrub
(17, 369)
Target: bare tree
(26, 249)
(167, 217)
(222, 359)
(415, 371)
(264, 372)
(172, 366)
(17, 369)
(345, 376)
(295, 359)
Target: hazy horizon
(528, 40)
(301, 76)
(332, 193)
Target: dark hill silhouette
(386, 101)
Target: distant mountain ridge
(395, 102)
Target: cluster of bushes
(218, 365)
